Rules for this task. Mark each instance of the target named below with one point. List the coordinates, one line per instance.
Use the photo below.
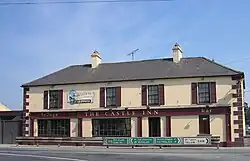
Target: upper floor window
(53, 99)
(110, 96)
(203, 93)
(153, 94)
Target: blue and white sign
(75, 97)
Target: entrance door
(204, 124)
(154, 124)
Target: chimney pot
(177, 53)
(95, 59)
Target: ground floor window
(53, 127)
(113, 127)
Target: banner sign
(75, 97)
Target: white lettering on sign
(150, 112)
(196, 141)
(49, 114)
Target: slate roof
(135, 70)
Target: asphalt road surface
(48, 153)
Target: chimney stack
(177, 53)
(95, 59)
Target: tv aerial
(132, 53)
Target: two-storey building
(177, 96)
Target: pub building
(175, 96)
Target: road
(49, 153)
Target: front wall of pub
(152, 125)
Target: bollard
(218, 146)
(132, 147)
(160, 147)
(216, 140)
(58, 145)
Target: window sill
(54, 108)
(204, 103)
(153, 105)
(112, 106)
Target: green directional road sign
(142, 141)
(115, 141)
(168, 140)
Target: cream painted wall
(243, 102)
(177, 92)
(87, 127)
(133, 126)
(189, 126)
(163, 126)
(218, 126)
(35, 127)
(184, 126)
(145, 130)
(73, 127)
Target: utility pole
(132, 53)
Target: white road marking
(40, 156)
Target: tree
(247, 113)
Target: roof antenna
(132, 53)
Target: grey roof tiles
(135, 70)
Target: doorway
(154, 126)
(204, 124)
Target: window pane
(111, 127)
(53, 127)
(110, 96)
(54, 99)
(204, 92)
(153, 95)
